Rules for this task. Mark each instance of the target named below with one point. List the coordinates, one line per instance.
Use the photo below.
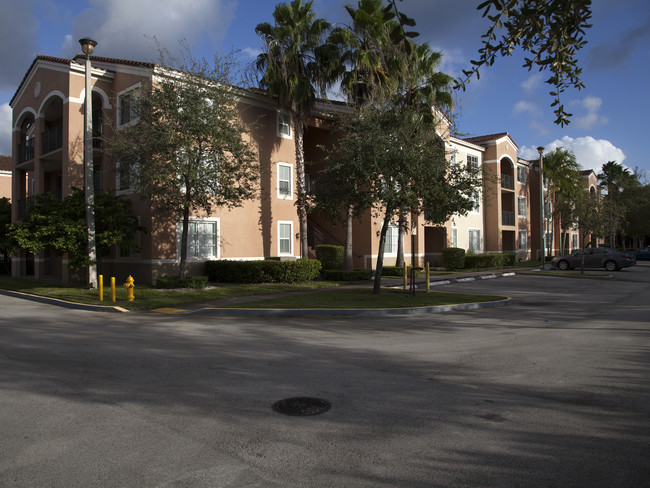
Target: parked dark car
(643, 254)
(595, 257)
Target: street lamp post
(88, 46)
(540, 150)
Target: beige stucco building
(48, 124)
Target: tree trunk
(301, 201)
(401, 228)
(348, 259)
(184, 234)
(380, 255)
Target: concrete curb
(62, 303)
(364, 311)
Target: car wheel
(610, 266)
(563, 265)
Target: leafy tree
(293, 68)
(618, 182)
(562, 172)
(637, 205)
(551, 31)
(391, 159)
(60, 226)
(189, 150)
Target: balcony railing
(25, 203)
(507, 182)
(98, 130)
(26, 151)
(52, 139)
(507, 218)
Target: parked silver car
(595, 257)
(643, 254)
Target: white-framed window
(472, 161)
(125, 177)
(477, 204)
(126, 106)
(521, 207)
(521, 174)
(474, 239)
(202, 239)
(284, 125)
(285, 181)
(522, 241)
(392, 235)
(574, 242)
(454, 237)
(285, 242)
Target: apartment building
(48, 137)
(5, 176)
(48, 112)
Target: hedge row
(331, 257)
(455, 258)
(340, 275)
(266, 271)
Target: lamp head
(540, 150)
(87, 45)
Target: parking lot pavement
(551, 391)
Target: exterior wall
(250, 231)
(461, 225)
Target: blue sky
(610, 114)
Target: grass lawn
(353, 298)
(146, 296)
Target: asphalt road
(551, 391)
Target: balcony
(507, 218)
(26, 151)
(25, 203)
(507, 182)
(52, 139)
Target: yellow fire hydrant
(129, 285)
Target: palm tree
(564, 185)
(423, 86)
(365, 53)
(615, 178)
(293, 72)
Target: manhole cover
(301, 406)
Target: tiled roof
(42, 57)
(5, 163)
(491, 137)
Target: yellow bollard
(101, 288)
(129, 285)
(405, 276)
(113, 289)
(428, 275)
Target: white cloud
(124, 28)
(590, 153)
(251, 52)
(5, 129)
(524, 106)
(532, 83)
(591, 119)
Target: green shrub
(340, 275)
(490, 260)
(394, 271)
(263, 271)
(194, 282)
(331, 257)
(454, 258)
